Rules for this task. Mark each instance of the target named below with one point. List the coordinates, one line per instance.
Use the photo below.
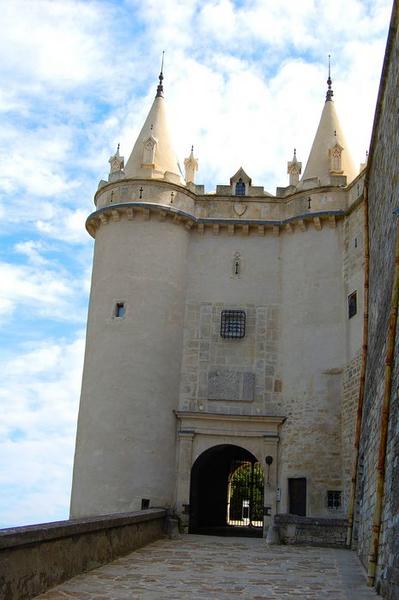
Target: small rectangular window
(232, 324)
(145, 503)
(333, 499)
(120, 310)
(352, 304)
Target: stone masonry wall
(327, 532)
(348, 419)
(38, 557)
(237, 376)
(290, 362)
(353, 269)
(383, 191)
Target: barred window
(333, 499)
(232, 324)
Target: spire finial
(160, 86)
(330, 93)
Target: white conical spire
(330, 153)
(153, 156)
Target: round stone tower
(125, 449)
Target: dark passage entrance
(226, 494)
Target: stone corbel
(276, 230)
(332, 221)
(216, 229)
(289, 228)
(302, 225)
(115, 216)
(317, 223)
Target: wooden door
(297, 496)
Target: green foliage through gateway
(246, 483)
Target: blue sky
(244, 83)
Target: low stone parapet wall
(313, 531)
(38, 557)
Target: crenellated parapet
(259, 215)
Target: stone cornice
(144, 210)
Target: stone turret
(190, 167)
(126, 437)
(294, 168)
(116, 163)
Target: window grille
(352, 305)
(232, 324)
(333, 499)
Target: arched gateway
(226, 492)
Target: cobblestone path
(216, 568)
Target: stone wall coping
(287, 519)
(44, 532)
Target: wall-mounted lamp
(268, 460)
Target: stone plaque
(233, 386)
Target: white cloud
(67, 225)
(57, 42)
(44, 292)
(32, 250)
(39, 396)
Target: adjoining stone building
(225, 330)
(376, 525)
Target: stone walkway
(216, 568)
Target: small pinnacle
(117, 149)
(160, 85)
(192, 148)
(330, 93)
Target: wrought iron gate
(245, 494)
